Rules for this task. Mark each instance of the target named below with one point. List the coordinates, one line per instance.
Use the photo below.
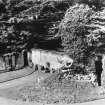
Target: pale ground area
(16, 82)
(4, 101)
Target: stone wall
(2, 65)
(42, 57)
(13, 60)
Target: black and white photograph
(52, 52)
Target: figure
(98, 67)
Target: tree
(12, 38)
(51, 13)
(82, 33)
(96, 4)
(72, 30)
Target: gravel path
(17, 82)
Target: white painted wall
(41, 57)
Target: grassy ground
(50, 90)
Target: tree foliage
(82, 33)
(18, 29)
(12, 38)
(73, 30)
(96, 4)
(81, 30)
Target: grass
(51, 90)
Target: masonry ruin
(14, 61)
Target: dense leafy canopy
(78, 24)
(83, 33)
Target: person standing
(98, 68)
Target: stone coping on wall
(7, 76)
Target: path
(22, 80)
(17, 82)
